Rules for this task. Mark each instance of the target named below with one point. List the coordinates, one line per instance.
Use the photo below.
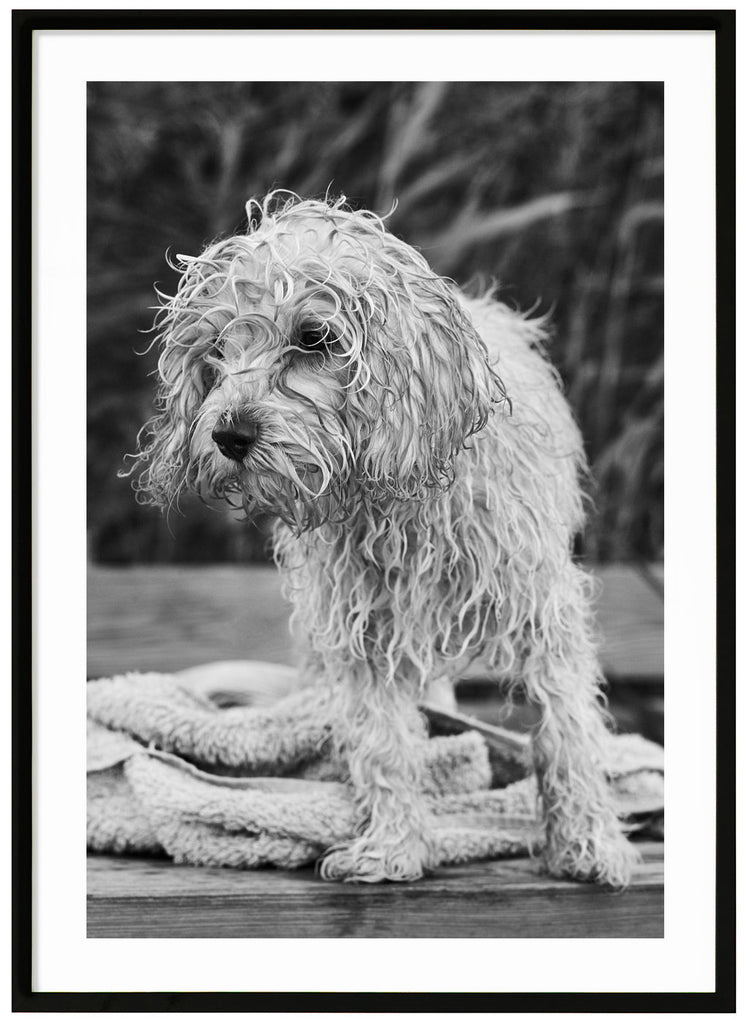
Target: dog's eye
(315, 339)
(210, 375)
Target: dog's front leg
(382, 734)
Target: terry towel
(207, 770)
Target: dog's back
(533, 448)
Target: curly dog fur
(317, 369)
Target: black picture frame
(24, 24)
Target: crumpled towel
(171, 770)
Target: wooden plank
(631, 623)
(164, 618)
(654, 573)
(140, 897)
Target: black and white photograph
(375, 508)
(371, 586)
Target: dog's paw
(607, 858)
(365, 860)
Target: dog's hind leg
(561, 674)
(383, 736)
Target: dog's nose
(235, 439)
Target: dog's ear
(162, 468)
(430, 388)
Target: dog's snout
(235, 439)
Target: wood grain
(631, 623)
(140, 897)
(165, 618)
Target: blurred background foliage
(554, 190)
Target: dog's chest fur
(435, 580)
